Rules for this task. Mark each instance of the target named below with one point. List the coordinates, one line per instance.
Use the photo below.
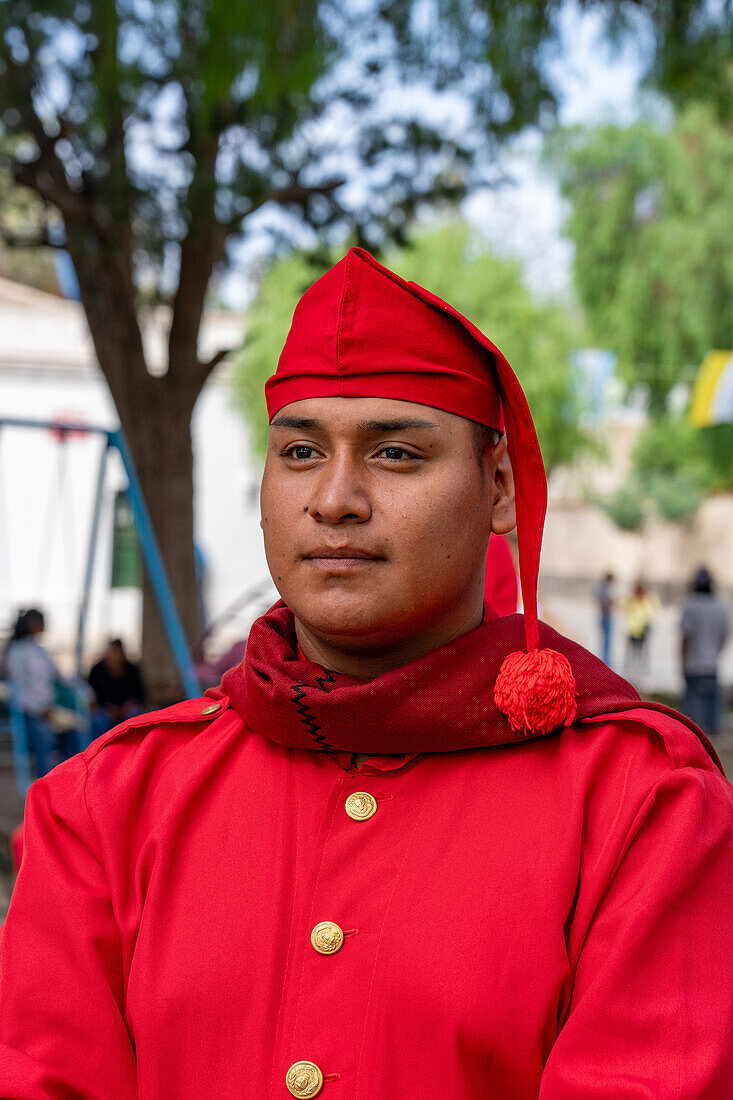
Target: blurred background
(174, 175)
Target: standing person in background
(640, 609)
(33, 676)
(705, 627)
(118, 688)
(604, 598)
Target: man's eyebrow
(304, 423)
(376, 427)
(381, 426)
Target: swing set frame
(152, 557)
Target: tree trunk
(159, 438)
(155, 414)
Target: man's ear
(503, 514)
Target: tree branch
(208, 366)
(46, 174)
(292, 193)
(75, 207)
(298, 193)
(201, 249)
(47, 159)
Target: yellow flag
(712, 390)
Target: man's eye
(300, 452)
(396, 454)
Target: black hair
(485, 439)
(25, 622)
(21, 630)
(703, 581)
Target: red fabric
(547, 918)
(500, 584)
(536, 691)
(440, 703)
(16, 847)
(362, 331)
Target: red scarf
(439, 703)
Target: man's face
(376, 516)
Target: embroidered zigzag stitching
(329, 678)
(308, 719)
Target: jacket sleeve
(651, 1008)
(62, 1033)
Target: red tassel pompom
(536, 691)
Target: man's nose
(338, 494)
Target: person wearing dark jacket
(118, 688)
(704, 629)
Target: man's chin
(350, 621)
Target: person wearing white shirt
(32, 677)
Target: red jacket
(501, 586)
(536, 918)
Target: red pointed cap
(362, 331)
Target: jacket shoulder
(185, 718)
(684, 745)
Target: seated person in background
(33, 677)
(118, 688)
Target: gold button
(211, 709)
(304, 1079)
(360, 805)
(327, 938)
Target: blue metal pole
(52, 425)
(88, 573)
(156, 569)
(21, 750)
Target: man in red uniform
(407, 849)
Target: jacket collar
(440, 703)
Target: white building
(48, 371)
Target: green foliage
(624, 507)
(695, 64)
(268, 321)
(677, 465)
(651, 221)
(715, 445)
(536, 337)
(150, 125)
(165, 124)
(674, 466)
(668, 447)
(32, 267)
(675, 498)
(23, 216)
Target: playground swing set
(75, 700)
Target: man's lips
(340, 553)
